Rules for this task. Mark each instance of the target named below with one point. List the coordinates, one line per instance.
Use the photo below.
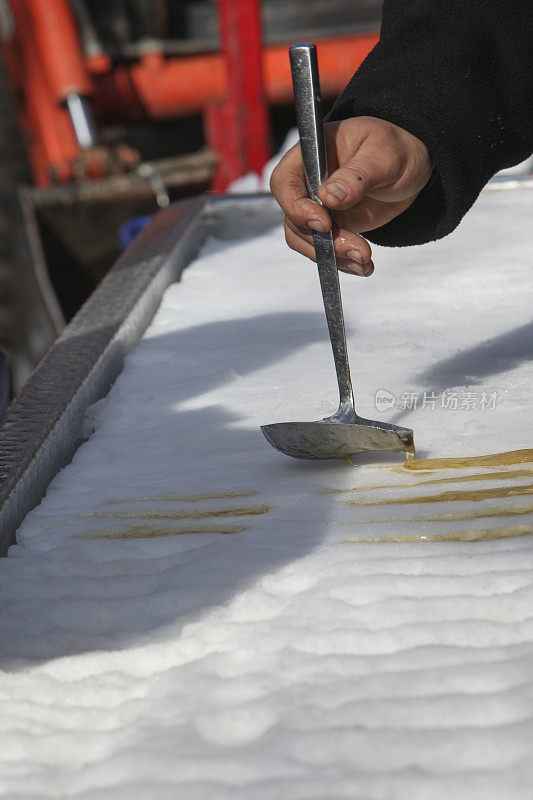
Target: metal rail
(44, 424)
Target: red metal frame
(232, 89)
(238, 126)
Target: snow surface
(284, 661)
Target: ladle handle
(304, 68)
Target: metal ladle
(344, 433)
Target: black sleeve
(458, 75)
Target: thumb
(370, 168)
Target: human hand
(376, 171)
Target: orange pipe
(158, 88)
(54, 33)
(51, 141)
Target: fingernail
(355, 255)
(355, 266)
(336, 189)
(316, 225)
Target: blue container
(129, 230)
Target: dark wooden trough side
(44, 424)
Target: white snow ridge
(191, 614)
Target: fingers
(348, 269)
(371, 167)
(373, 158)
(370, 214)
(352, 251)
(288, 187)
(302, 216)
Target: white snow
(284, 661)
(522, 169)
